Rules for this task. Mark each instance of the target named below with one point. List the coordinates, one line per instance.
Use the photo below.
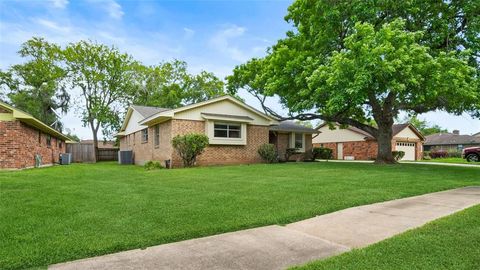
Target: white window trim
(210, 126)
(292, 142)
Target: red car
(471, 154)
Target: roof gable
(183, 111)
(406, 131)
(32, 121)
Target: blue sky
(209, 35)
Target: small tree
(189, 146)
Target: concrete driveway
(278, 247)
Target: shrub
(152, 165)
(398, 155)
(322, 153)
(308, 156)
(190, 146)
(290, 152)
(268, 153)
(455, 154)
(439, 154)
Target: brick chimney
(456, 132)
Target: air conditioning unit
(65, 159)
(125, 157)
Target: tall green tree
(424, 126)
(354, 61)
(169, 85)
(105, 78)
(36, 85)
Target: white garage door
(408, 148)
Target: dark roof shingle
(290, 126)
(451, 139)
(147, 111)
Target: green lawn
(64, 213)
(449, 243)
(451, 160)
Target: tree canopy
(424, 126)
(358, 62)
(170, 85)
(105, 78)
(36, 85)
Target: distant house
(354, 143)
(451, 141)
(235, 131)
(25, 140)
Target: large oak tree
(362, 62)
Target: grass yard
(451, 160)
(63, 213)
(452, 242)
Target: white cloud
(114, 9)
(61, 4)
(222, 41)
(51, 25)
(188, 33)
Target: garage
(408, 148)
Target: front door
(339, 150)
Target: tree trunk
(384, 141)
(95, 140)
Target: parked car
(471, 154)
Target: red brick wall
(332, 146)
(366, 150)
(19, 143)
(360, 150)
(222, 154)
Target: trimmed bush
(290, 152)
(398, 155)
(438, 154)
(268, 153)
(322, 153)
(190, 146)
(152, 165)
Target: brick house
(354, 143)
(23, 137)
(235, 132)
(454, 142)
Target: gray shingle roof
(451, 139)
(147, 111)
(290, 126)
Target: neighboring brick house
(23, 137)
(235, 132)
(354, 143)
(454, 142)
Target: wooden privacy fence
(107, 154)
(84, 152)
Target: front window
(157, 135)
(145, 135)
(227, 131)
(299, 140)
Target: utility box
(65, 159)
(125, 157)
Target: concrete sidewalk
(277, 247)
